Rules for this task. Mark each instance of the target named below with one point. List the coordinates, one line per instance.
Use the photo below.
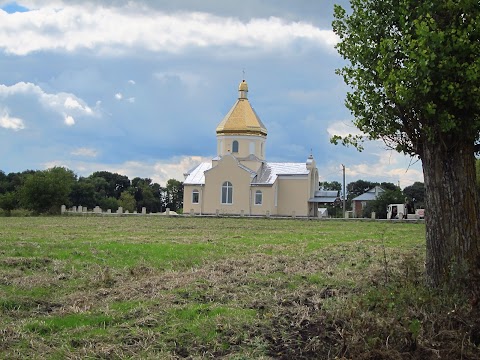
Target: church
(239, 181)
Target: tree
(416, 193)
(174, 194)
(334, 185)
(115, 183)
(127, 201)
(45, 191)
(415, 74)
(83, 193)
(108, 203)
(8, 202)
(3, 182)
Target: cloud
(131, 82)
(113, 30)
(118, 96)
(62, 103)
(343, 128)
(73, 104)
(69, 120)
(12, 123)
(87, 152)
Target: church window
(195, 196)
(227, 192)
(235, 146)
(258, 197)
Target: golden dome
(242, 119)
(243, 86)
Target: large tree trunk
(451, 215)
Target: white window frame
(226, 195)
(258, 193)
(195, 192)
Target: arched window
(235, 146)
(258, 197)
(195, 196)
(227, 192)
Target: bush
(21, 213)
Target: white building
(240, 181)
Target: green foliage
(8, 202)
(83, 193)
(416, 194)
(334, 185)
(108, 203)
(127, 201)
(174, 195)
(110, 184)
(45, 191)
(147, 194)
(414, 70)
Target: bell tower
(241, 133)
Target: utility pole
(344, 191)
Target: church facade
(239, 181)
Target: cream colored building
(240, 181)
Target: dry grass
(119, 288)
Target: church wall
(293, 195)
(246, 145)
(187, 199)
(227, 170)
(268, 200)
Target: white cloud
(87, 152)
(118, 96)
(69, 120)
(69, 28)
(75, 105)
(131, 82)
(343, 128)
(131, 100)
(13, 123)
(61, 103)
(387, 166)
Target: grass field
(236, 288)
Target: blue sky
(139, 87)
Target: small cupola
(243, 90)
(310, 163)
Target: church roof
(266, 175)
(268, 172)
(196, 176)
(242, 119)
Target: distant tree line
(413, 194)
(44, 191)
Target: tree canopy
(414, 70)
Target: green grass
(236, 288)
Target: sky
(138, 87)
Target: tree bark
(451, 215)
